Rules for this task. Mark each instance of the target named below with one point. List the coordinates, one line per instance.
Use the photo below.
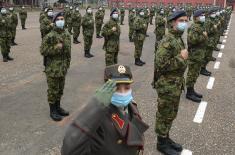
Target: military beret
(57, 15)
(198, 13)
(113, 10)
(176, 15)
(119, 73)
(211, 10)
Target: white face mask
(50, 13)
(89, 11)
(23, 7)
(71, 8)
(77, 9)
(11, 9)
(115, 16)
(100, 9)
(161, 12)
(202, 19)
(3, 11)
(142, 13)
(213, 15)
(217, 13)
(60, 24)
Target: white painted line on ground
(210, 83)
(224, 41)
(222, 47)
(220, 55)
(217, 64)
(200, 112)
(225, 37)
(186, 152)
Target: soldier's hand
(114, 29)
(52, 24)
(205, 33)
(184, 54)
(215, 26)
(104, 94)
(59, 45)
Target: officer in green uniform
(5, 35)
(131, 19)
(122, 16)
(152, 14)
(56, 47)
(170, 66)
(99, 16)
(23, 17)
(46, 23)
(76, 23)
(110, 124)
(88, 31)
(139, 26)
(111, 33)
(14, 23)
(197, 38)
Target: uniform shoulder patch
(118, 120)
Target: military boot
(138, 62)
(98, 36)
(213, 59)
(142, 62)
(205, 72)
(87, 54)
(60, 110)
(9, 58)
(191, 96)
(220, 42)
(165, 147)
(54, 113)
(13, 42)
(130, 39)
(197, 94)
(5, 59)
(174, 145)
(75, 41)
(217, 49)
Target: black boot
(138, 62)
(164, 147)
(13, 42)
(197, 94)
(75, 41)
(9, 58)
(213, 59)
(142, 62)
(220, 42)
(54, 113)
(217, 49)
(131, 40)
(174, 145)
(98, 36)
(4, 59)
(88, 54)
(191, 96)
(205, 72)
(60, 110)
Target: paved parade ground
(207, 128)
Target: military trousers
(131, 32)
(208, 57)
(169, 92)
(98, 27)
(111, 57)
(151, 20)
(5, 44)
(138, 47)
(23, 20)
(55, 88)
(70, 27)
(87, 41)
(194, 69)
(76, 32)
(13, 33)
(122, 19)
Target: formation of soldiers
(8, 25)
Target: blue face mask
(60, 24)
(181, 26)
(122, 99)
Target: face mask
(212, 15)
(60, 24)
(3, 11)
(115, 16)
(202, 19)
(89, 11)
(45, 10)
(77, 9)
(173, 10)
(217, 13)
(162, 12)
(22, 7)
(11, 9)
(71, 8)
(122, 99)
(100, 9)
(181, 26)
(141, 13)
(50, 14)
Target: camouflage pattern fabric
(88, 30)
(99, 16)
(76, 23)
(122, 14)
(131, 19)
(23, 17)
(14, 23)
(5, 34)
(46, 26)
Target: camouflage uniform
(170, 67)
(160, 28)
(68, 20)
(131, 19)
(76, 22)
(152, 13)
(111, 41)
(122, 11)
(23, 17)
(14, 23)
(46, 26)
(5, 35)
(99, 16)
(57, 62)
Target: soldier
(88, 31)
(56, 47)
(5, 35)
(43, 14)
(170, 65)
(152, 14)
(14, 23)
(146, 17)
(197, 38)
(131, 19)
(69, 19)
(23, 17)
(76, 23)
(66, 12)
(47, 24)
(111, 33)
(139, 36)
(122, 11)
(99, 16)
(110, 124)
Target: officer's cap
(113, 10)
(176, 15)
(118, 73)
(198, 13)
(57, 15)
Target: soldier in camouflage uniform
(68, 17)
(14, 23)
(197, 38)
(139, 26)
(46, 24)
(170, 65)
(146, 17)
(88, 31)
(152, 14)
(99, 16)
(56, 47)
(5, 35)
(122, 16)
(23, 17)
(76, 23)
(131, 19)
(43, 14)
(111, 33)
